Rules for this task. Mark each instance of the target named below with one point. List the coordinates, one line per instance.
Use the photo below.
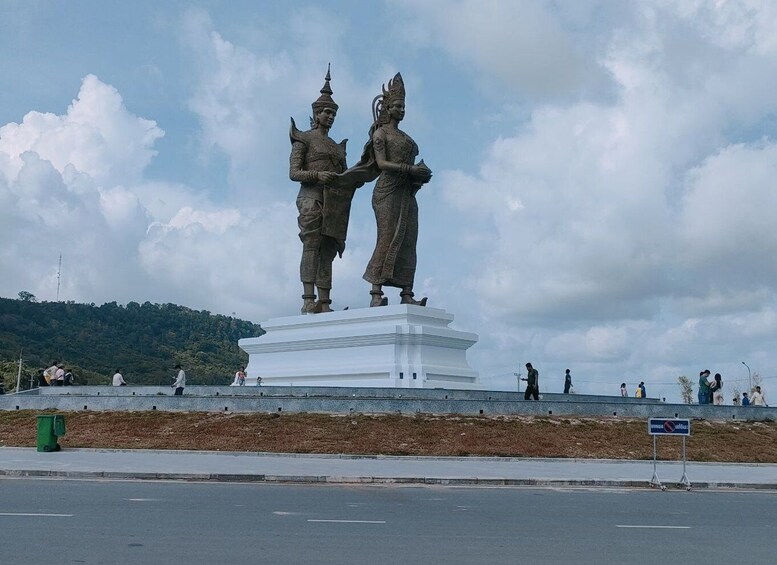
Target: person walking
(717, 390)
(624, 390)
(567, 382)
(180, 381)
(118, 379)
(532, 383)
(757, 398)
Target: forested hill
(145, 340)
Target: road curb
(361, 480)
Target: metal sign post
(669, 427)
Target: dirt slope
(516, 436)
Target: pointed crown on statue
(395, 91)
(325, 100)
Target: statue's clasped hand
(326, 176)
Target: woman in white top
(59, 376)
(624, 392)
(717, 390)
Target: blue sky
(604, 171)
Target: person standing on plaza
(51, 373)
(240, 377)
(642, 389)
(180, 381)
(717, 390)
(567, 382)
(745, 399)
(59, 375)
(532, 383)
(704, 387)
(624, 390)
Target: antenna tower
(59, 274)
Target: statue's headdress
(325, 100)
(395, 91)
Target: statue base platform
(402, 346)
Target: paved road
(54, 521)
(89, 463)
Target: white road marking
(143, 499)
(350, 521)
(654, 527)
(36, 514)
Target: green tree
(146, 340)
(27, 296)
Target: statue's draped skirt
(393, 262)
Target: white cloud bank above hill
(74, 184)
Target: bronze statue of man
(323, 208)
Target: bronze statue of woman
(393, 261)
(323, 209)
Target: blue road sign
(669, 426)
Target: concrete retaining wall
(70, 401)
(331, 392)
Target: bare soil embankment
(504, 436)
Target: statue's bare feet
(378, 299)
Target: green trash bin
(50, 427)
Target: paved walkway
(253, 467)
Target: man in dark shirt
(532, 383)
(567, 382)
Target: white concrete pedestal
(404, 346)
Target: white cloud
(243, 98)
(634, 232)
(522, 45)
(748, 24)
(69, 188)
(727, 227)
(97, 135)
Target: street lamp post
(749, 378)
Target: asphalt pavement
(333, 469)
